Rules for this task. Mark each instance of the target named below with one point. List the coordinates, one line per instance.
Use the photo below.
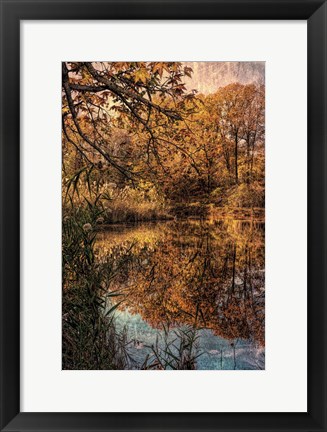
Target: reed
(90, 339)
(176, 349)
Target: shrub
(247, 196)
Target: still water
(177, 280)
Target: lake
(190, 289)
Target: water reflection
(209, 275)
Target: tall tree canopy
(100, 96)
(135, 124)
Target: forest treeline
(138, 143)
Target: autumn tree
(99, 97)
(135, 124)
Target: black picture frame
(12, 12)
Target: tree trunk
(236, 159)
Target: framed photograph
(163, 215)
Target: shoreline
(241, 214)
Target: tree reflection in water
(207, 274)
